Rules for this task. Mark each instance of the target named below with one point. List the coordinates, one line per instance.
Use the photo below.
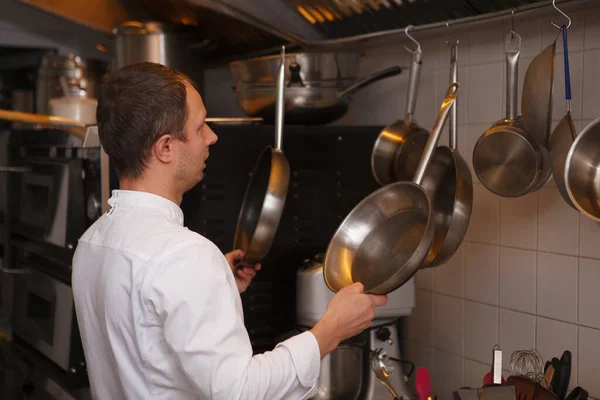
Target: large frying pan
(386, 237)
(398, 147)
(266, 193)
(449, 184)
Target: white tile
(518, 221)
(589, 355)
(486, 45)
(474, 373)
(481, 331)
(419, 326)
(574, 34)
(589, 287)
(557, 287)
(484, 225)
(430, 49)
(553, 338)
(517, 279)
(559, 108)
(474, 132)
(450, 277)
(485, 93)
(449, 325)
(421, 356)
(591, 89)
(482, 273)
(558, 226)
(517, 332)
(592, 28)
(424, 279)
(448, 374)
(426, 109)
(530, 30)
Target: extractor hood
(223, 30)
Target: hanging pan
(507, 159)
(449, 184)
(399, 146)
(266, 193)
(385, 238)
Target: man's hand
(243, 274)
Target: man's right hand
(348, 313)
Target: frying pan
(385, 238)
(449, 184)
(398, 147)
(564, 134)
(507, 159)
(582, 171)
(266, 193)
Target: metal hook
(413, 39)
(560, 11)
(512, 22)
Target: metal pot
(319, 86)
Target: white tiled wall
(528, 274)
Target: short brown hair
(138, 104)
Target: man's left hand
(243, 274)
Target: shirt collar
(137, 199)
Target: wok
(265, 194)
(385, 238)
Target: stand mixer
(349, 371)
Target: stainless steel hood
(219, 31)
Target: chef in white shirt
(159, 305)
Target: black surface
(330, 174)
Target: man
(158, 305)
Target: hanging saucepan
(399, 146)
(305, 103)
(564, 134)
(582, 171)
(266, 193)
(386, 237)
(507, 159)
(449, 184)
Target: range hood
(224, 30)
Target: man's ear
(164, 148)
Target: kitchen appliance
(347, 373)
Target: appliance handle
(13, 270)
(8, 168)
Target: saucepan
(386, 237)
(266, 193)
(319, 86)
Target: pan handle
(280, 100)
(75, 128)
(413, 85)
(513, 50)
(453, 78)
(384, 73)
(434, 137)
(567, 71)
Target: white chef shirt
(161, 317)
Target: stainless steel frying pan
(386, 237)
(266, 193)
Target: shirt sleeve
(195, 298)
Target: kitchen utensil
(382, 372)
(582, 172)
(578, 393)
(398, 148)
(266, 193)
(538, 89)
(564, 134)
(319, 85)
(562, 377)
(385, 238)
(423, 383)
(449, 184)
(548, 375)
(75, 128)
(507, 159)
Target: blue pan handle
(567, 72)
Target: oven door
(43, 315)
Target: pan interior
(583, 173)
(389, 247)
(506, 162)
(253, 201)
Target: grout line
(529, 249)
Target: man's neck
(155, 187)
